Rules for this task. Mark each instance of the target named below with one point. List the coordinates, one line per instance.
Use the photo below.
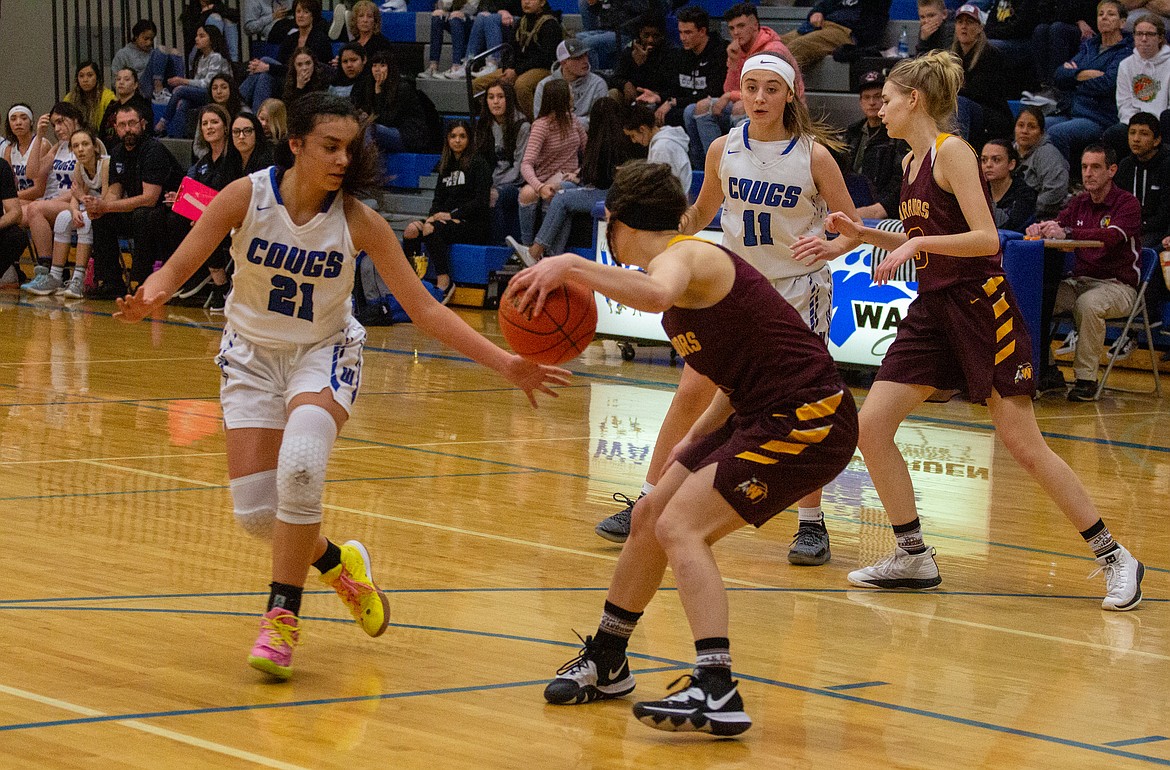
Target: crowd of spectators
(1088, 72)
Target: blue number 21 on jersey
(282, 298)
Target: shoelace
(579, 661)
(683, 693)
(618, 497)
(349, 589)
(804, 534)
(1111, 572)
(280, 632)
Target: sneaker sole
(722, 724)
(593, 693)
(613, 537)
(1136, 600)
(42, 292)
(268, 667)
(805, 560)
(361, 549)
(908, 584)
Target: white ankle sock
(57, 272)
(647, 487)
(815, 514)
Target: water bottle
(903, 45)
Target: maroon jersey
(754, 346)
(927, 209)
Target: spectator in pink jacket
(715, 117)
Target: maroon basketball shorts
(768, 461)
(968, 337)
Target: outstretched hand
(537, 282)
(133, 308)
(531, 377)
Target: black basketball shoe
(595, 674)
(703, 704)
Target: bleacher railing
(96, 29)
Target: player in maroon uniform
(963, 331)
(781, 425)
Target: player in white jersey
(291, 353)
(58, 166)
(776, 182)
(19, 129)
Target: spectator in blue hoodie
(1092, 78)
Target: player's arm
(372, 235)
(831, 186)
(226, 211)
(654, 291)
(710, 196)
(712, 418)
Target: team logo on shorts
(1023, 372)
(753, 489)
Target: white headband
(772, 63)
(20, 108)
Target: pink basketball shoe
(279, 633)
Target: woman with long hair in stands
(90, 95)
(461, 207)
(210, 58)
(501, 136)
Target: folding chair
(1149, 264)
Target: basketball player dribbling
(291, 354)
(963, 331)
(780, 425)
(776, 181)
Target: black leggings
(438, 243)
(13, 242)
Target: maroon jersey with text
(927, 209)
(754, 345)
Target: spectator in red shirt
(1103, 282)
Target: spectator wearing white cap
(573, 67)
(983, 75)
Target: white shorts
(812, 296)
(259, 382)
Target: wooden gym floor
(129, 600)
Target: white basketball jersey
(19, 165)
(61, 175)
(292, 284)
(769, 201)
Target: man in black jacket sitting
(872, 156)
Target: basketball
(564, 328)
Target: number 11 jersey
(292, 284)
(769, 201)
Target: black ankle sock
(1099, 539)
(286, 596)
(616, 626)
(330, 559)
(713, 652)
(909, 537)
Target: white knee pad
(254, 501)
(300, 469)
(63, 227)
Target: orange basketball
(564, 328)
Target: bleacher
(412, 182)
